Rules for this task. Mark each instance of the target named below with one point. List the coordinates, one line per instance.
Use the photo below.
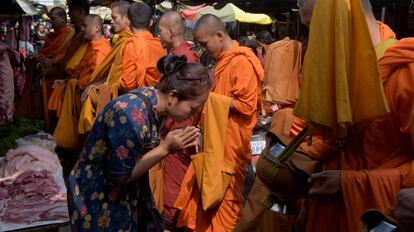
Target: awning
(229, 13)
(14, 7)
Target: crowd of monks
(366, 169)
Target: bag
(152, 220)
(284, 170)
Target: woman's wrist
(163, 149)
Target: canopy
(229, 13)
(13, 7)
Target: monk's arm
(244, 89)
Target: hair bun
(171, 63)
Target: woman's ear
(173, 97)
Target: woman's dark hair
(265, 37)
(189, 80)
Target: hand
(196, 144)
(404, 209)
(86, 92)
(325, 184)
(179, 139)
(58, 82)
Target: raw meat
(28, 157)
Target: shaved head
(58, 18)
(174, 20)
(93, 27)
(122, 7)
(96, 20)
(210, 34)
(171, 28)
(59, 11)
(210, 24)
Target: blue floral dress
(101, 196)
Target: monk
(142, 51)
(76, 50)
(377, 157)
(171, 28)
(98, 48)
(33, 102)
(238, 74)
(108, 72)
(57, 42)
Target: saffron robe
(139, 65)
(109, 71)
(377, 160)
(238, 74)
(65, 133)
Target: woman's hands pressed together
(179, 139)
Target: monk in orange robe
(239, 75)
(73, 56)
(376, 160)
(171, 27)
(96, 52)
(102, 83)
(142, 51)
(55, 47)
(57, 42)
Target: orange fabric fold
(254, 67)
(57, 43)
(377, 160)
(97, 51)
(139, 65)
(341, 82)
(56, 98)
(111, 67)
(386, 32)
(282, 67)
(109, 71)
(66, 130)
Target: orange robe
(139, 66)
(176, 165)
(109, 71)
(57, 43)
(69, 63)
(377, 160)
(66, 130)
(238, 74)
